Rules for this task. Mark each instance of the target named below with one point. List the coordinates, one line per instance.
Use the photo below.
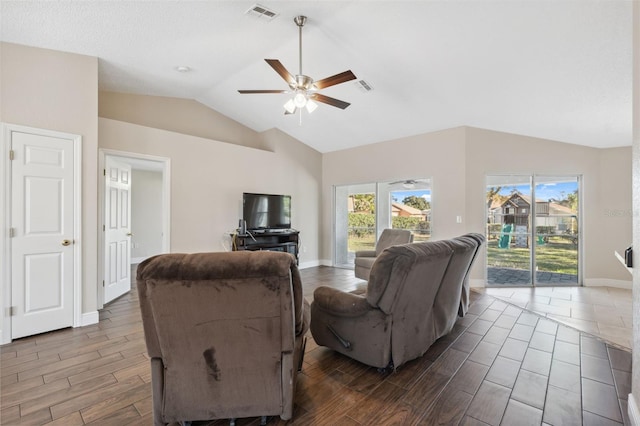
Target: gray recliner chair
(365, 258)
(464, 297)
(225, 334)
(412, 298)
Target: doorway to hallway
(149, 221)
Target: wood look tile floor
(501, 364)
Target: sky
(544, 191)
(400, 195)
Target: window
(363, 211)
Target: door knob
(66, 242)
(129, 234)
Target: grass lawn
(362, 243)
(556, 256)
(368, 242)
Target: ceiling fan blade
(286, 112)
(244, 92)
(406, 182)
(329, 101)
(280, 69)
(335, 79)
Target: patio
(515, 277)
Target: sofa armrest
(157, 388)
(340, 303)
(366, 253)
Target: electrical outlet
(458, 219)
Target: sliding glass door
(557, 230)
(406, 205)
(363, 211)
(532, 225)
(355, 221)
(509, 254)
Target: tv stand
(273, 240)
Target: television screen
(266, 211)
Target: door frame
(334, 238)
(166, 205)
(532, 260)
(5, 208)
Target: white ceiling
(559, 70)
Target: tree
(493, 193)
(572, 200)
(568, 200)
(419, 203)
(364, 203)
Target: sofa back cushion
(392, 237)
(407, 275)
(220, 322)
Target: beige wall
(59, 91)
(614, 216)
(177, 115)
(208, 178)
(146, 213)
(458, 161)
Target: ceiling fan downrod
(300, 21)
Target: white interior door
(42, 228)
(117, 225)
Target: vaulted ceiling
(559, 70)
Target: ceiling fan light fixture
(311, 106)
(300, 99)
(290, 106)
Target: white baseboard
(309, 264)
(607, 282)
(634, 414)
(89, 318)
(314, 263)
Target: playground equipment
(505, 236)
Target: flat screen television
(266, 211)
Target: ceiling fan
(408, 183)
(303, 87)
